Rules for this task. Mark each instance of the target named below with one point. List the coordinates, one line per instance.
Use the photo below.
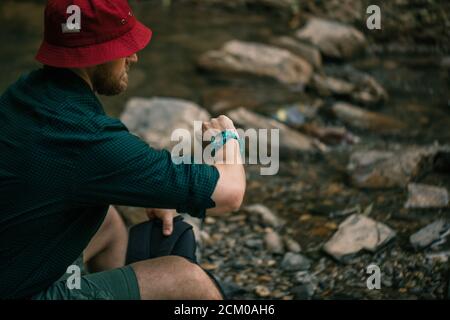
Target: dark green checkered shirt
(63, 161)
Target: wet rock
(334, 39)
(292, 245)
(426, 196)
(388, 169)
(310, 53)
(357, 233)
(265, 214)
(289, 139)
(273, 242)
(155, 119)
(434, 233)
(366, 120)
(258, 59)
(295, 262)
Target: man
(64, 163)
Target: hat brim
(62, 57)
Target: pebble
(295, 262)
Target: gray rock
(356, 233)
(273, 242)
(155, 119)
(433, 233)
(357, 117)
(295, 262)
(289, 139)
(265, 214)
(258, 59)
(306, 51)
(334, 39)
(426, 196)
(389, 169)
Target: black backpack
(146, 241)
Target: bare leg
(172, 278)
(107, 249)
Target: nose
(133, 58)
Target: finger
(167, 224)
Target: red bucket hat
(82, 33)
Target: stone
(260, 60)
(430, 234)
(155, 119)
(368, 90)
(292, 245)
(295, 262)
(273, 242)
(330, 135)
(377, 169)
(359, 118)
(290, 141)
(358, 232)
(262, 291)
(327, 86)
(308, 282)
(265, 214)
(334, 39)
(426, 196)
(355, 85)
(310, 53)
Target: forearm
(232, 182)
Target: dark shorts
(116, 284)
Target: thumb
(167, 224)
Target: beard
(105, 82)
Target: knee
(200, 278)
(192, 275)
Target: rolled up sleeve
(117, 167)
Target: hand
(217, 125)
(166, 215)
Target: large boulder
(334, 39)
(260, 60)
(155, 119)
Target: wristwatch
(222, 138)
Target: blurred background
(364, 118)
